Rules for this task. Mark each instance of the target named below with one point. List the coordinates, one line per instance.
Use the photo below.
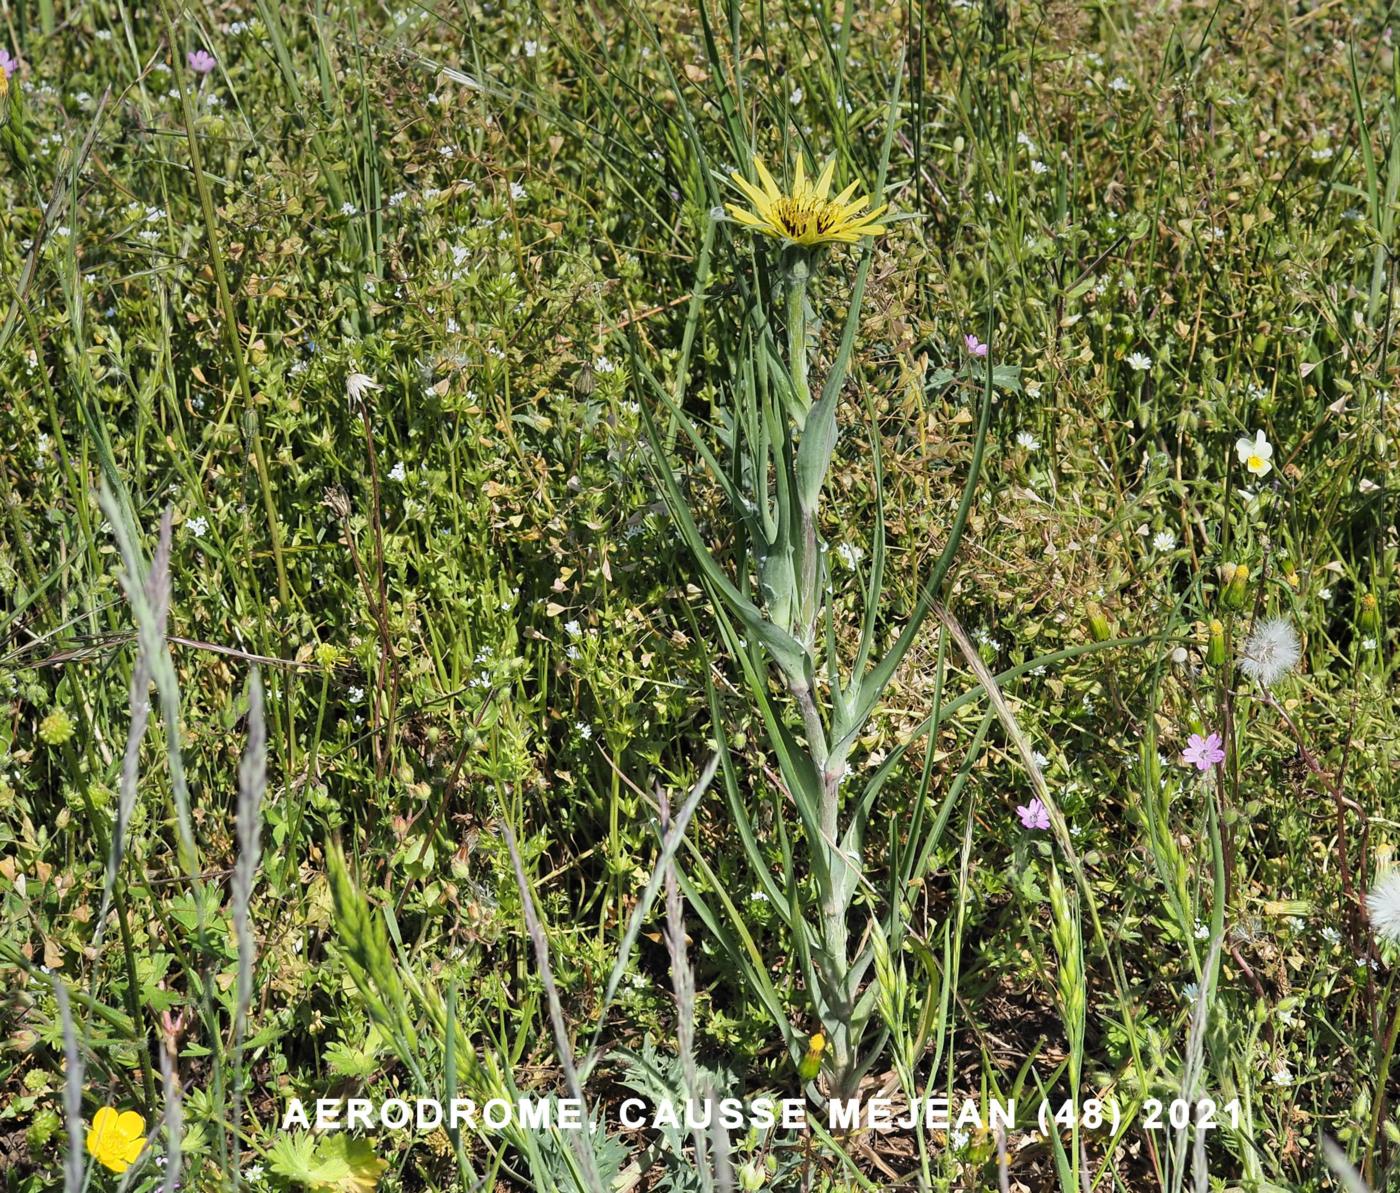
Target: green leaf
(336, 1164)
(786, 650)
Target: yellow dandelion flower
(807, 215)
(116, 1139)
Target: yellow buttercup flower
(806, 215)
(116, 1139)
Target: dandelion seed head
(1383, 906)
(1271, 651)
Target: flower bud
(1215, 647)
(752, 1176)
(1099, 628)
(1236, 593)
(812, 1063)
(1369, 619)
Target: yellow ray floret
(806, 215)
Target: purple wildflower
(1033, 815)
(8, 65)
(974, 346)
(1203, 752)
(201, 61)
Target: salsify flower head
(1271, 651)
(1383, 906)
(806, 215)
(115, 1140)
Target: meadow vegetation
(478, 617)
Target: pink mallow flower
(1203, 752)
(974, 346)
(201, 61)
(1033, 815)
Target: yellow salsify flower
(115, 1140)
(807, 215)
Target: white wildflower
(1271, 651)
(1255, 453)
(397, 473)
(198, 527)
(1139, 361)
(1164, 540)
(1028, 441)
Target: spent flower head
(1271, 651)
(807, 214)
(1383, 906)
(357, 385)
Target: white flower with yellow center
(1255, 453)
